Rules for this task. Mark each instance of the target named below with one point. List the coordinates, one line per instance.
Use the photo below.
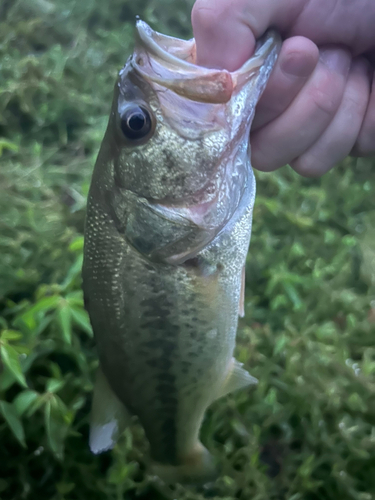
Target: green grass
(308, 430)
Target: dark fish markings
(162, 331)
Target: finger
(340, 136)
(214, 25)
(225, 30)
(297, 60)
(310, 113)
(365, 145)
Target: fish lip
(265, 45)
(146, 36)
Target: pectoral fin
(237, 378)
(109, 417)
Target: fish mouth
(171, 63)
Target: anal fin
(237, 378)
(109, 416)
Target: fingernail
(336, 59)
(297, 64)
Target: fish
(168, 228)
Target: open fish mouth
(175, 60)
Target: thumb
(225, 30)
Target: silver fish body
(167, 233)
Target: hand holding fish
(318, 106)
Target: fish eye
(136, 122)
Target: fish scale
(167, 233)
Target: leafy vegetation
(308, 430)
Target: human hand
(317, 107)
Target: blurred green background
(308, 430)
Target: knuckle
(355, 102)
(356, 99)
(325, 100)
(204, 14)
(210, 13)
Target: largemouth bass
(168, 229)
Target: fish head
(173, 140)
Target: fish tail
(197, 467)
